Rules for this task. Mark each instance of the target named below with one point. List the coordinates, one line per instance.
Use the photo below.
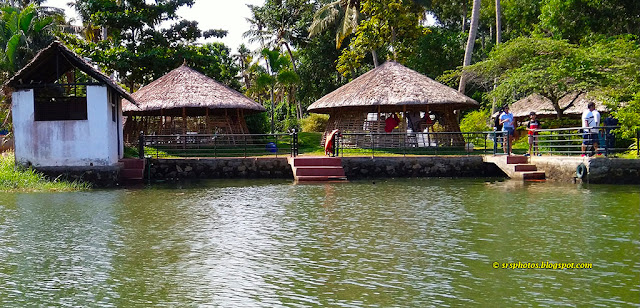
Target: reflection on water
(394, 243)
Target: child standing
(532, 127)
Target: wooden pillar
(207, 123)
(184, 120)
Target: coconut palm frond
(324, 17)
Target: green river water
(388, 243)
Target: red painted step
(132, 174)
(318, 178)
(525, 167)
(512, 159)
(317, 161)
(133, 169)
(320, 171)
(317, 169)
(533, 175)
(133, 163)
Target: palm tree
(475, 16)
(23, 31)
(345, 12)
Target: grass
(13, 178)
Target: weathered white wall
(91, 142)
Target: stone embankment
(170, 169)
(355, 168)
(419, 166)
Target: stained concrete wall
(600, 170)
(91, 142)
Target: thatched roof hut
(199, 103)
(575, 104)
(361, 105)
(187, 88)
(393, 87)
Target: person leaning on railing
(590, 122)
(532, 128)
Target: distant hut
(390, 89)
(574, 105)
(186, 101)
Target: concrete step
(320, 171)
(132, 174)
(525, 167)
(316, 161)
(513, 159)
(318, 178)
(533, 175)
(132, 163)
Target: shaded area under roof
(187, 88)
(543, 107)
(392, 85)
(52, 62)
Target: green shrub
(475, 121)
(14, 178)
(315, 123)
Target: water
(395, 243)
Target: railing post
(638, 142)
(141, 145)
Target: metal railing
(570, 141)
(562, 141)
(218, 145)
(428, 143)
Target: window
(64, 100)
(54, 103)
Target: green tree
(391, 25)
(576, 20)
(137, 49)
(345, 14)
(23, 32)
(281, 83)
(556, 68)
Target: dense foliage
(551, 47)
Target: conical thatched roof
(392, 85)
(52, 62)
(187, 88)
(543, 107)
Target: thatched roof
(187, 88)
(543, 108)
(52, 62)
(392, 85)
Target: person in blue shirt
(506, 119)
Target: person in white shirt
(590, 119)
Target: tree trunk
(498, 23)
(498, 41)
(475, 16)
(293, 62)
(374, 55)
(464, 15)
(273, 110)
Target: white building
(65, 112)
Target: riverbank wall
(355, 167)
(597, 170)
(98, 177)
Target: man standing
(532, 127)
(590, 122)
(506, 119)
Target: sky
(228, 15)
